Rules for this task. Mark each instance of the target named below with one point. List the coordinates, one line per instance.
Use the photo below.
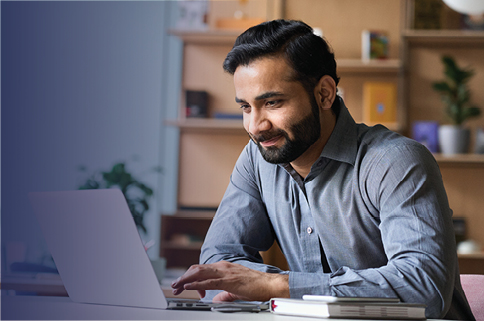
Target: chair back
(473, 286)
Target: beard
(305, 132)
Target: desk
(62, 308)
(471, 263)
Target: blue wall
(85, 83)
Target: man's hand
(237, 281)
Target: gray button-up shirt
(374, 202)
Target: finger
(196, 273)
(177, 291)
(225, 296)
(202, 285)
(176, 287)
(201, 293)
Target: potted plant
(455, 94)
(136, 193)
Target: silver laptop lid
(96, 248)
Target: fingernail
(173, 284)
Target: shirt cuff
(301, 283)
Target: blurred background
(97, 92)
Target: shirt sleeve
(241, 227)
(405, 186)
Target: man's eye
(245, 108)
(272, 103)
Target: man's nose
(258, 122)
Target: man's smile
(270, 142)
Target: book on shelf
(355, 308)
(374, 45)
(427, 134)
(222, 115)
(196, 103)
(379, 102)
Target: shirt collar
(342, 144)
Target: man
(357, 210)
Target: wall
(82, 85)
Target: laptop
(99, 253)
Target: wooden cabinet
(182, 236)
(471, 263)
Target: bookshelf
(221, 38)
(444, 37)
(208, 125)
(460, 159)
(182, 237)
(209, 147)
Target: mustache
(267, 135)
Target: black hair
(309, 55)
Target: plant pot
(453, 139)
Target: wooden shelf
(464, 159)
(444, 37)
(344, 65)
(195, 246)
(209, 125)
(221, 37)
(182, 235)
(478, 255)
(194, 215)
(472, 263)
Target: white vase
(479, 149)
(453, 139)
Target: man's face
(279, 114)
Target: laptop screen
(97, 248)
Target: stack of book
(346, 307)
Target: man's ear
(325, 92)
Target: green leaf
(145, 205)
(441, 86)
(471, 112)
(454, 91)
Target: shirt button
(309, 230)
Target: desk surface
(62, 308)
